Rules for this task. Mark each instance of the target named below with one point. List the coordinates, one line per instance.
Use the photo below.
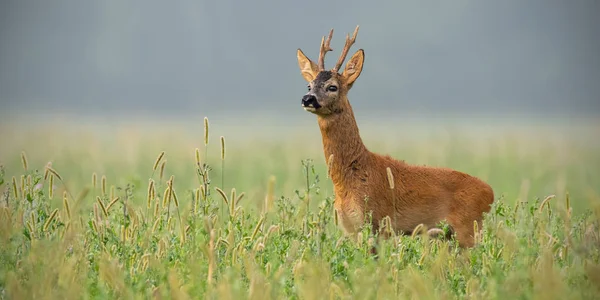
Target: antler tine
(349, 43)
(324, 49)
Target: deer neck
(341, 139)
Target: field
(95, 210)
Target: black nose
(310, 101)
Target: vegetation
(137, 215)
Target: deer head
(327, 89)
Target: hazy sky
(212, 57)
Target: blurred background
(533, 58)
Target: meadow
(147, 209)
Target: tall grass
(137, 235)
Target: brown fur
(421, 195)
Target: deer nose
(310, 101)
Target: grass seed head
(166, 197)
(51, 170)
(103, 185)
(270, 197)
(22, 186)
(205, 131)
(197, 154)
(156, 207)
(29, 184)
(157, 161)
(162, 170)
(51, 186)
(113, 202)
(220, 191)
(150, 193)
(546, 201)
(222, 148)
(96, 214)
(15, 189)
(50, 219)
(113, 191)
(24, 160)
(102, 206)
(174, 195)
(94, 180)
(46, 172)
(390, 177)
(66, 205)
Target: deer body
(420, 195)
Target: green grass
(205, 247)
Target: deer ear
(308, 68)
(354, 67)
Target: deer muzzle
(310, 101)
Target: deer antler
(349, 43)
(324, 49)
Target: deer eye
(332, 88)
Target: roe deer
(421, 195)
